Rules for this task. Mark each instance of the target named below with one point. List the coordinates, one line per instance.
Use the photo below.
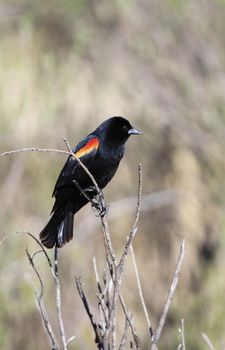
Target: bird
(101, 152)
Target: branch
(96, 328)
(169, 297)
(41, 246)
(130, 323)
(106, 334)
(58, 299)
(33, 149)
(124, 336)
(208, 341)
(104, 306)
(5, 238)
(140, 292)
(103, 310)
(134, 228)
(39, 298)
(55, 275)
(121, 266)
(181, 346)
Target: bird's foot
(102, 211)
(91, 191)
(99, 205)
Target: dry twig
(5, 238)
(58, 299)
(124, 336)
(96, 327)
(172, 289)
(33, 149)
(121, 265)
(106, 334)
(140, 292)
(208, 341)
(39, 297)
(181, 346)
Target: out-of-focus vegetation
(64, 67)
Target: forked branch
(39, 296)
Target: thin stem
(208, 341)
(33, 149)
(41, 306)
(141, 292)
(58, 300)
(169, 297)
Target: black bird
(101, 152)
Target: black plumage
(101, 152)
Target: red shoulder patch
(91, 145)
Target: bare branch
(102, 304)
(41, 246)
(121, 266)
(70, 339)
(169, 297)
(55, 275)
(134, 228)
(110, 255)
(96, 275)
(208, 341)
(107, 304)
(5, 238)
(124, 337)
(58, 299)
(33, 149)
(44, 315)
(96, 328)
(181, 346)
(69, 152)
(30, 258)
(131, 323)
(140, 292)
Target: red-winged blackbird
(101, 152)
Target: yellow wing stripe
(90, 146)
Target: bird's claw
(102, 210)
(99, 205)
(91, 190)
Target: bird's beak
(134, 132)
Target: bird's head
(118, 129)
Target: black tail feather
(59, 229)
(65, 230)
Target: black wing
(86, 151)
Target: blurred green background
(65, 66)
